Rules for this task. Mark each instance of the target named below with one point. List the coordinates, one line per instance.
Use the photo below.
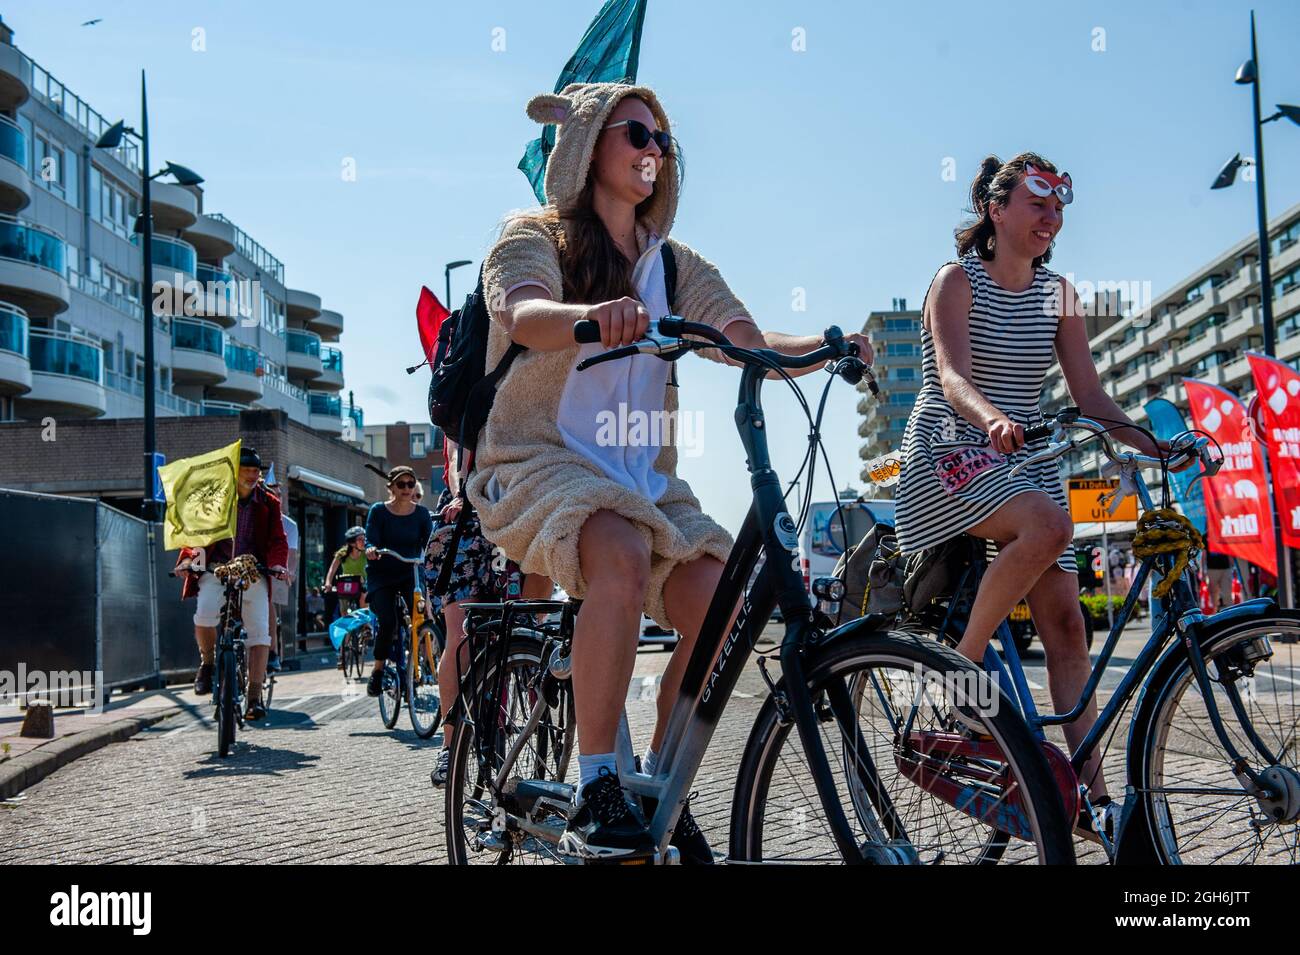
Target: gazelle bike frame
(720, 652)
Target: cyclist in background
(259, 532)
(349, 561)
(401, 525)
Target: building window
(48, 164)
(902, 325)
(417, 444)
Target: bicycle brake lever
(1047, 454)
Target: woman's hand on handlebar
(372, 553)
(1006, 435)
(865, 352)
(622, 321)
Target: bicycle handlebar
(386, 552)
(665, 339)
(1186, 445)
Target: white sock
(649, 762)
(589, 767)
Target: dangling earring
(993, 241)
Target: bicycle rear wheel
(227, 675)
(422, 700)
(390, 694)
(928, 791)
(1197, 810)
(523, 824)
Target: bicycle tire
(464, 780)
(1159, 727)
(836, 660)
(418, 676)
(226, 677)
(359, 651)
(390, 695)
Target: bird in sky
(91, 23)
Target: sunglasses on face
(1042, 183)
(639, 135)
(404, 485)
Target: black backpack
(460, 393)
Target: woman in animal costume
(604, 515)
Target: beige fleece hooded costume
(532, 492)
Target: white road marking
(317, 717)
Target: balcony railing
(13, 142)
(218, 283)
(198, 336)
(169, 253)
(324, 404)
(14, 328)
(250, 249)
(72, 108)
(304, 343)
(165, 399)
(358, 418)
(331, 359)
(224, 409)
(286, 388)
(24, 242)
(241, 358)
(62, 353)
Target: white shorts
(256, 609)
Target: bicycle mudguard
(978, 788)
(867, 623)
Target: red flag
(1279, 406)
(1237, 512)
(429, 316)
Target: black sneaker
(203, 680)
(602, 824)
(376, 684)
(688, 839)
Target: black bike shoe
(602, 824)
(376, 684)
(203, 680)
(255, 713)
(688, 839)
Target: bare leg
(1054, 602)
(451, 666)
(615, 561)
(257, 670)
(687, 595)
(1033, 530)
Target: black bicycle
(230, 674)
(818, 794)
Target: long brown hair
(593, 267)
(995, 182)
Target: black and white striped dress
(951, 480)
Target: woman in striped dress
(992, 325)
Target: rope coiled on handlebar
(1163, 530)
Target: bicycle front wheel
(227, 675)
(916, 784)
(522, 823)
(422, 699)
(1198, 810)
(390, 694)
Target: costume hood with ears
(581, 111)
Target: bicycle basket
(241, 570)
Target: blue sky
(818, 170)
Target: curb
(30, 768)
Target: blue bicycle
(1211, 757)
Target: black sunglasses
(639, 135)
(404, 485)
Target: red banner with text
(1237, 511)
(1278, 385)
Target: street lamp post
(1248, 74)
(446, 272)
(111, 139)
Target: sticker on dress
(886, 469)
(958, 468)
(786, 532)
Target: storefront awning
(308, 476)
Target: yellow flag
(202, 493)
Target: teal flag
(608, 53)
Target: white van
(823, 538)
